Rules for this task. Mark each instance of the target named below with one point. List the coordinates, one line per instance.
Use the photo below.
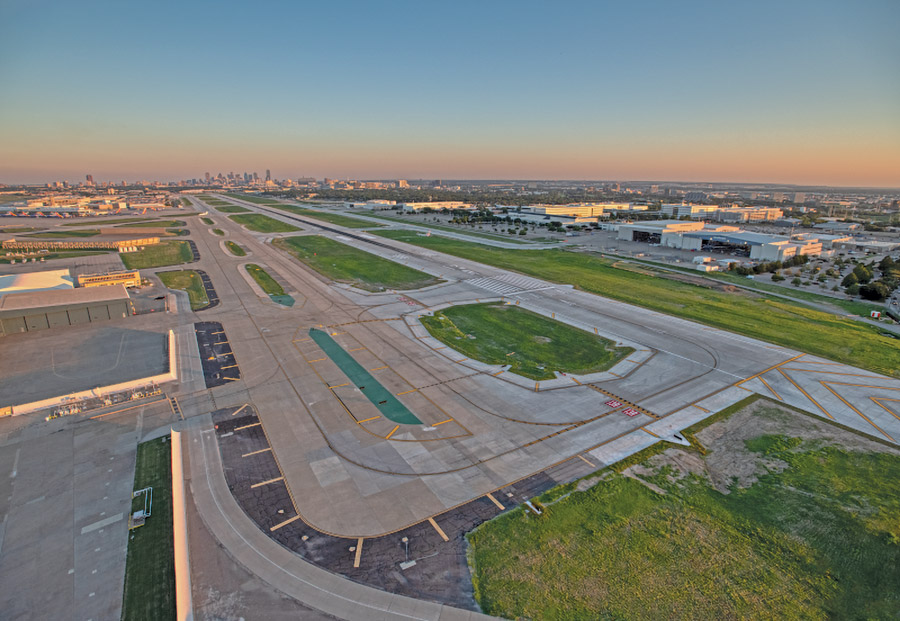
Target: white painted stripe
(100, 524)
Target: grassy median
(346, 264)
(235, 249)
(268, 284)
(333, 218)
(775, 320)
(158, 255)
(149, 592)
(263, 224)
(535, 346)
(189, 281)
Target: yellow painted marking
(229, 367)
(864, 385)
(366, 420)
(340, 385)
(232, 379)
(260, 484)
(248, 426)
(536, 384)
(441, 347)
(449, 420)
(585, 460)
(875, 377)
(219, 332)
(378, 368)
(357, 349)
(702, 409)
(495, 501)
(358, 552)
(257, 452)
(837, 364)
(221, 343)
(889, 410)
(337, 333)
(806, 394)
(393, 431)
(438, 529)
(317, 360)
(867, 419)
(238, 411)
(497, 373)
(302, 340)
(129, 408)
(406, 392)
(762, 379)
(595, 331)
(653, 434)
(616, 374)
(285, 523)
(461, 361)
(576, 381)
(774, 366)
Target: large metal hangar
(40, 310)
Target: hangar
(40, 310)
(35, 281)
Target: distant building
(128, 279)
(402, 183)
(436, 205)
(838, 227)
(375, 205)
(688, 210)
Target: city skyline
(805, 94)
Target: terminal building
(128, 279)
(697, 236)
(120, 243)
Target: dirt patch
(730, 464)
(541, 339)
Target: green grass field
(159, 255)
(263, 224)
(343, 263)
(235, 249)
(774, 320)
(226, 208)
(186, 280)
(219, 232)
(65, 234)
(471, 232)
(534, 345)
(250, 198)
(111, 221)
(333, 218)
(818, 540)
(264, 280)
(17, 229)
(150, 565)
(207, 221)
(157, 224)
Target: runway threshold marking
(393, 431)
(285, 523)
(438, 529)
(585, 460)
(269, 482)
(772, 390)
(247, 426)
(495, 501)
(867, 419)
(356, 558)
(806, 394)
(257, 452)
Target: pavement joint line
(763, 380)
(585, 460)
(366, 420)
(359, 543)
(247, 426)
(265, 450)
(285, 523)
(438, 529)
(270, 481)
(449, 420)
(806, 394)
(495, 501)
(393, 431)
(867, 419)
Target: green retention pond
(381, 398)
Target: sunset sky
(804, 92)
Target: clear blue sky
(790, 91)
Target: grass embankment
(186, 280)
(235, 249)
(343, 263)
(534, 345)
(820, 539)
(778, 321)
(263, 224)
(264, 280)
(333, 218)
(157, 224)
(158, 255)
(65, 234)
(17, 229)
(150, 566)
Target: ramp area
(380, 397)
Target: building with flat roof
(108, 242)
(40, 310)
(28, 282)
(688, 210)
(130, 278)
(436, 205)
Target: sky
(788, 91)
